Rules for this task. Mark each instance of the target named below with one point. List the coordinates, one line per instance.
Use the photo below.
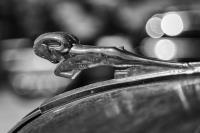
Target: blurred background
(162, 29)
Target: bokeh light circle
(165, 49)
(172, 24)
(153, 27)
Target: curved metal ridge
(104, 87)
(110, 85)
(31, 116)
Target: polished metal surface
(167, 104)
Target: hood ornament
(73, 57)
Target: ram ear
(59, 39)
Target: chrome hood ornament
(146, 95)
(73, 57)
